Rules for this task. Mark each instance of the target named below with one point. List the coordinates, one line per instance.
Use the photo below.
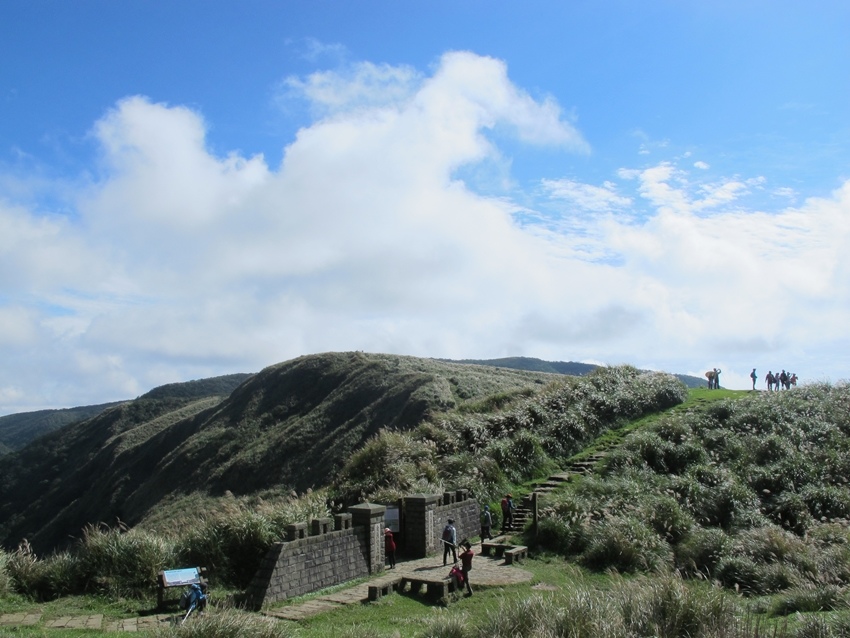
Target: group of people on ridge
(780, 380)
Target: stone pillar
(342, 521)
(419, 534)
(371, 516)
(320, 526)
(535, 514)
(296, 531)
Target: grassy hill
(290, 427)
(16, 430)
(561, 367)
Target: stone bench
(516, 554)
(496, 545)
(169, 578)
(384, 588)
(435, 588)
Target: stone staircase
(523, 513)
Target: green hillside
(561, 367)
(16, 430)
(290, 427)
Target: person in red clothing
(389, 545)
(466, 563)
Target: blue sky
(198, 188)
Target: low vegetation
(713, 515)
(524, 437)
(750, 493)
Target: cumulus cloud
(179, 263)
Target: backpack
(505, 504)
(457, 575)
(447, 533)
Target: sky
(204, 187)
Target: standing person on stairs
(507, 513)
(486, 524)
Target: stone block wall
(304, 563)
(425, 516)
(321, 555)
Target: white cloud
(178, 263)
(701, 165)
(586, 196)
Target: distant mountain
(214, 386)
(17, 430)
(558, 367)
(291, 426)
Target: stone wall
(425, 516)
(325, 557)
(327, 552)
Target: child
(389, 545)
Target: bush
(121, 562)
(700, 551)
(667, 518)
(666, 607)
(625, 544)
(232, 547)
(741, 573)
(444, 625)
(827, 502)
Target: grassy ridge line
(290, 427)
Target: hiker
(486, 523)
(389, 545)
(507, 512)
(792, 380)
(449, 541)
(717, 378)
(754, 376)
(783, 380)
(769, 379)
(466, 564)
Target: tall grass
(122, 562)
(526, 437)
(227, 623)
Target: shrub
(700, 551)
(666, 607)
(625, 544)
(769, 544)
(810, 598)
(667, 518)
(27, 573)
(121, 562)
(231, 546)
(827, 502)
(563, 538)
(741, 573)
(791, 512)
(443, 625)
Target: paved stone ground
(485, 571)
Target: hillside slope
(291, 426)
(17, 430)
(573, 368)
